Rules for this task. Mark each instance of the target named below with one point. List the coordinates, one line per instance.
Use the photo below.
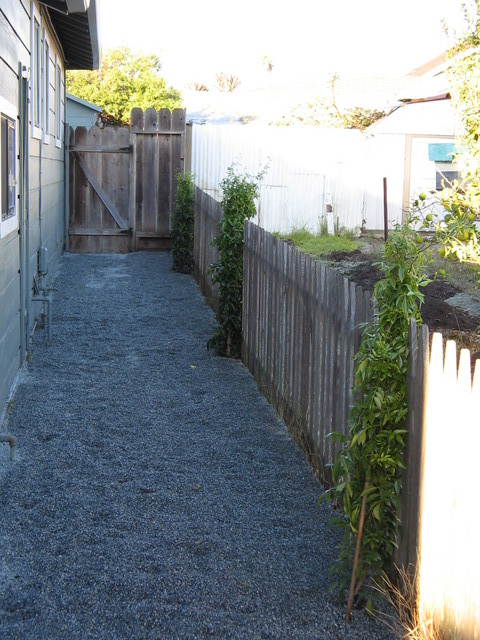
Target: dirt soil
(440, 310)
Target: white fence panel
(314, 175)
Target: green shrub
(239, 193)
(183, 219)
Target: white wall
(316, 174)
(313, 174)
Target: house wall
(80, 115)
(44, 222)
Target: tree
(324, 112)
(456, 231)
(124, 80)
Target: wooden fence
(301, 330)
(449, 587)
(208, 214)
(123, 182)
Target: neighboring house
(333, 175)
(81, 113)
(425, 126)
(422, 131)
(39, 41)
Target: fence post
(409, 543)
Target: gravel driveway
(155, 494)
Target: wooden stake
(385, 210)
(357, 552)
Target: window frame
(58, 102)
(8, 112)
(36, 106)
(46, 87)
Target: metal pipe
(48, 300)
(23, 202)
(66, 166)
(385, 210)
(12, 441)
(40, 154)
(66, 194)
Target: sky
(303, 39)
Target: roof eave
(78, 34)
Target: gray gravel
(156, 494)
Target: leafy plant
(238, 203)
(183, 220)
(360, 117)
(457, 231)
(454, 228)
(367, 473)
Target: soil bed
(437, 313)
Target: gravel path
(155, 493)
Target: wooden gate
(123, 183)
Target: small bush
(183, 219)
(239, 193)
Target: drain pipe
(23, 203)
(12, 441)
(48, 300)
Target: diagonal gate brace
(112, 210)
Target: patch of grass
(319, 245)
(402, 615)
(463, 275)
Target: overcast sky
(304, 39)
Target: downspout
(48, 301)
(27, 219)
(23, 200)
(12, 441)
(40, 190)
(66, 165)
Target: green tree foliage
(239, 193)
(125, 80)
(183, 220)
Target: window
(58, 103)
(8, 167)
(36, 74)
(46, 89)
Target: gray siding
(46, 180)
(9, 315)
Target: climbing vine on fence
(183, 219)
(238, 204)
(368, 469)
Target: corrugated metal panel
(313, 174)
